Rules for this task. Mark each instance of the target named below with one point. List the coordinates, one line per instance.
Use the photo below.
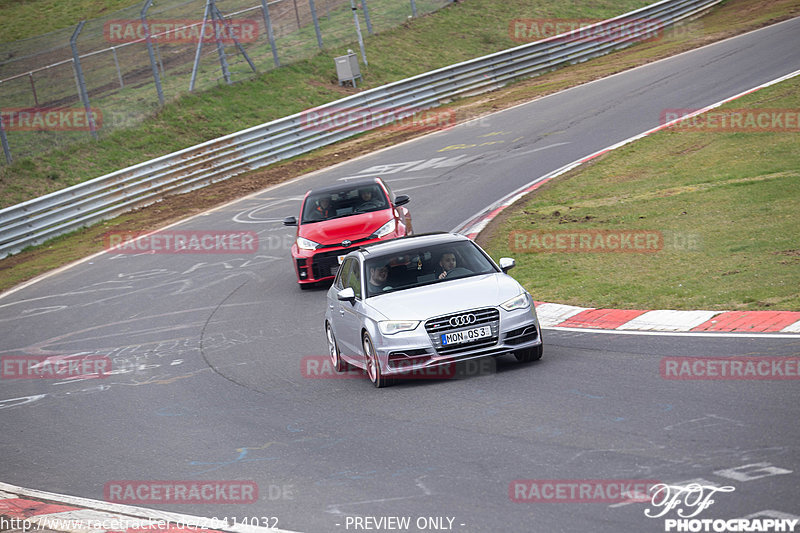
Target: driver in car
(447, 262)
(368, 200)
(377, 279)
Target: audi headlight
(390, 327)
(386, 229)
(517, 302)
(305, 244)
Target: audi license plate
(467, 335)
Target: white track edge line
(729, 334)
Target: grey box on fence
(347, 68)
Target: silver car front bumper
(422, 348)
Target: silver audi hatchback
(404, 306)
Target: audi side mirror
(289, 221)
(506, 264)
(346, 295)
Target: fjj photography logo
(680, 506)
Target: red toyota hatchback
(337, 219)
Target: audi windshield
(424, 266)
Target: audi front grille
(461, 321)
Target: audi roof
(403, 243)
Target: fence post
(33, 88)
(4, 139)
(119, 72)
(297, 14)
(76, 62)
(413, 9)
(199, 46)
(160, 62)
(270, 34)
(156, 77)
(358, 31)
(235, 40)
(316, 22)
(223, 61)
(366, 16)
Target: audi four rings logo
(346, 243)
(462, 320)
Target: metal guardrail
(37, 220)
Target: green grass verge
(727, 204)
(23, 19)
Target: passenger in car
(369, 200)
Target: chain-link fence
(113, 71)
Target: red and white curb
(553, 315)
(569, 316)
(29, 510)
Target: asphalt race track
(206, 349)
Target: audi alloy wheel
(373, 366)
(333, 350)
